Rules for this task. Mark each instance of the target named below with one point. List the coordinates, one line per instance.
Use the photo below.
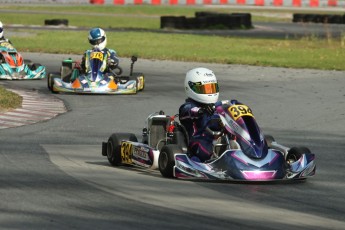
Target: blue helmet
(97, 38)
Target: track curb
(36, 107)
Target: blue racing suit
(113, 60)
(195, 118)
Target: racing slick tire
(296, 153)
(50, 80)
(269, 139)
(113, 149)
(166, 160)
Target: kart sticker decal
(7, 45)
(97, 55)
(238, 111)
(141, 152)
(126, 152)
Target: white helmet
(201, 85)
(97, 38)
(1, 30)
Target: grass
(307, 52)
(9, 100)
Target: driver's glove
(112, 63)
(209, 109)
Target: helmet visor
(209, 88)
(97, 41)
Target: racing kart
(71, 78)
(241, 152)
(14, 67)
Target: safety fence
(274, 3)
(289, 3)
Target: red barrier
(259, 2)
(155, 2)
(119, 2)
(97, 2)
(277, 2)
(296, 2)
(314, 3)
(332, 3)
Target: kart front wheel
(166, 160)
(114, 146)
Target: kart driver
(2, 37)
(201, 87)
(98, 40)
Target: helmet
(1, 30)
(201, 85)
(97, 38)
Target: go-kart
(241, 152)
(14, 67)
(71, 78)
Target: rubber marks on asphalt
(35, 108)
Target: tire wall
(319, 18)
(208, 20)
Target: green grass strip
(9, 100)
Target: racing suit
(3, 39)
(194, 116)
(112, 61)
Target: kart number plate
(238, 111)
(7, 45)
(126, 152)
(97, 55)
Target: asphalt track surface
(52, 174)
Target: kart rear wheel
(114, 146)
(50, 79)
(166, 160)
(296, 153)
